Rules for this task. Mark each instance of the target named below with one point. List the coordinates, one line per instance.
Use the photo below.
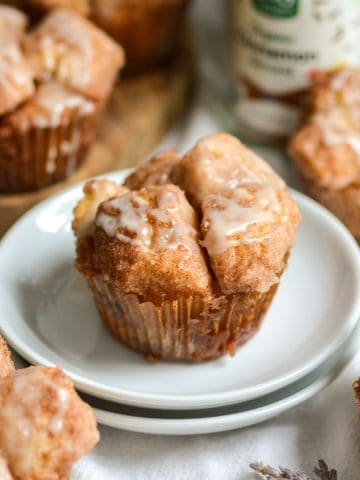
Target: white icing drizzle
(28, 388)
(161, 228)
(67, 47)
(227, 218)
(4, 471)
(14, 72)
(339, 80)
(340, 127)
(55, 100)
(230, 175)
(96, 191)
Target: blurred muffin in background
(54, 82)
(326, 148)
(147, 29)
(44, 425)
(70, 49)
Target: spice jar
(279, 47)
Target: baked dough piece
(248, 234)
(44, 425)
(217, 163)
(147, 243)
(248, 217)
(72, 50)
(154, 172)
(6, 364)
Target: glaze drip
(132, 220)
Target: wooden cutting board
(139, 113)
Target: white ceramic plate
(175, 422)
(48, 316)
(191, 422)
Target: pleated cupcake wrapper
(42, 156)
(345, 204)
(185, 329)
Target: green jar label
(277, 8)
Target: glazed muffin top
(223, 224)
(51, 105)
(16, 77)
(65, 62)
(74, 52)
(326, 148)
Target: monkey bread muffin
(326, 149)
(185, 258)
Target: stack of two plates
(308, 335)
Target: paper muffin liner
(39, 157)
(185, 329)
(345, 204)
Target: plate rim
(193, 401)
(236, 420)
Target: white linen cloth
(325, 426)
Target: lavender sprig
(269, 472)
(321, 471)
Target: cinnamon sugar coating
(67, 47)
(248, 217)
(154, 172)
(6, 364)
(16, 77)
(248, 234)
(217, 163)
(44, 425)
(142, 238)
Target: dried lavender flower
(269, 472)
(321, 471)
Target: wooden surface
(139, 113)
